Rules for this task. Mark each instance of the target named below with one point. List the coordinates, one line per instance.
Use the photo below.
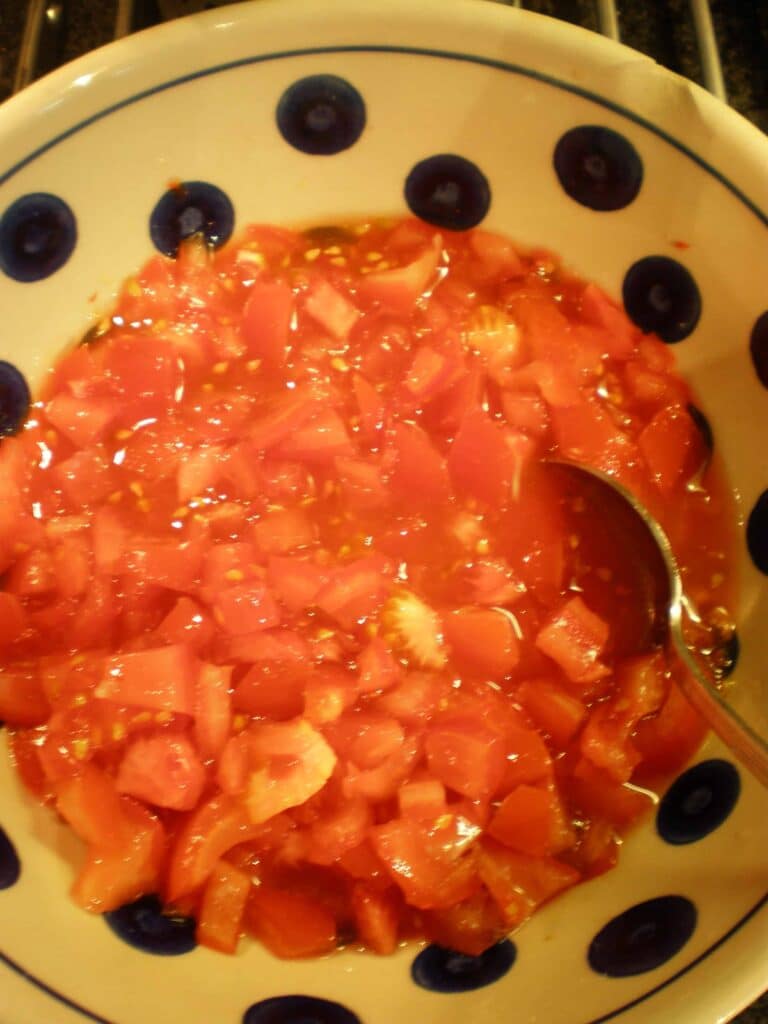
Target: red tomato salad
(298, 628)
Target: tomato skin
(223, 906)
(672, 447)
(465, 756)
(163, 770)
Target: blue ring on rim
(498, 65)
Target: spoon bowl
(642, 534)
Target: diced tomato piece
(228, 563)
(72, 565)
(318, 439)
(281, 646)
(419, 477)
(296, 583)
(266, 320)
(213, 709)
(331, 309)
(470, 926)
(117, 875)
(377, 917)
(371, 408)
(83, 421)
(186, 623)
(283, 530)
(163, 770)
(328, 693)
(161, 679)
(480, 461)
(34, 574)
(554, 710)
(294, 762)
(290, 924)
(245, 608)
(148, 377)
(221, 911)
(669, 739)
(531, 820)
(672, 447)
(430, 373)
(13, 620)
(341, 829)
(206, 835)
(575, 638)
(355, 591)
(365, 737)
(378, 669)
(91, 805)
(432, 862)
(466, 756)
(169, 564)
(198, 470)
(424, 800)
(22, 698)
(86, 477)
(527, 758)
(497, 254)
(526, 411)
(270, 691)
(281, 420)
(620, 333)
(110, 538)
(482, 641)
(416, 699)
(362, 484)
(383, 781)
(398, 289)
(595, 794)
(520, 883)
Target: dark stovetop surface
(662, 28)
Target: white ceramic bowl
(196, 100)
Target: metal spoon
(699, 683)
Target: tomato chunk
(290, 924)
(161, 679)
(221, 912)
(163, 770)
(575, 638)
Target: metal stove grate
(722, 44)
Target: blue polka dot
(298, 1010)
(758, 348)
(10, 866)
(643, 937)
(321, 115)
(598, 167)
(449, 192)
(757, 533)
(38, 234)
(443, 970)
(146, 926)
(698, 802)
(14, 399)
(191, 208)
(660, 295)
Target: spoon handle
(705, 698)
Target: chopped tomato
(554, 710)
(186, 623)
(163, 770)
(376, 918)
(433, 863)
(245, 608)
(482, 640)
(289, 924)
(266, 320)
(161, 679)
(470, 926)
(221, 912)
(531, 820)
(575, 638)
(213, 709)
(520, 883)
(480, 461)
(419, 476)
(466, 756)
(331, 309)
(22, 698)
